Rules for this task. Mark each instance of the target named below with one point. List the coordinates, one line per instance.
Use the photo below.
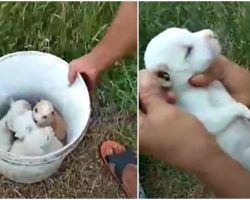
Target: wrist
(218, 164)
(105, 56)
(97, 61)
(210, 160)
(211, 164)
(225, 177)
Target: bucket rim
(56, 155)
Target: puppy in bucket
(27, 132)
(44, 114)
(6, 123)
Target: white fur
(213, 105)
(39, 141)
(53, 145)
(6, 136)
(23, 124)
(44, 114)
(6, 124)
(16, 108)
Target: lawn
(230, 20)
(70, 30)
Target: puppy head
(16, 108)
(19, 105)
(181, 50)
(43, 113)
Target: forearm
(121, 38)
(226, 177)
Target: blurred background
(230, 20)
(69, 30)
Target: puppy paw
(243, 111)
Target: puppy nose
(209, 34)
(35, 120)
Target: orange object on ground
(114, 153)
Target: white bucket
(33, 75)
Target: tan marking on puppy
(163, 77)
(45, 115)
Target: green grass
(69, 30)
(230, 20)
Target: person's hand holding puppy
(233, 77)
(179, 139)
(169, 134)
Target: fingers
(219, 70)
(170, 97)
(151, 96)
(72, 74)
(201, 80)
(88, 78)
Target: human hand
(167, 133)
(234, 78)
(88, 65)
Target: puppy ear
(162, 72)
(163, 77)
(19, 135)
(162, 67)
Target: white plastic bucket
(32, 75)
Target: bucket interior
(35, 75)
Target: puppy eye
(189, 50)
(45, 117)
(52, 113)
(36, 110)
(163, 75)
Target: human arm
(119, 41)
(179, 139)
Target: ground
(230, 20)
(69, 30)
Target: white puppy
(6, 124)
(34, 143)
(175, 55)
(45, 115)
(23, 124)
(16, 108)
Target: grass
(69, 30)
(230, 20)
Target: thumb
(216, 71)
(201, 80)
(151, 96)
(72, 74)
